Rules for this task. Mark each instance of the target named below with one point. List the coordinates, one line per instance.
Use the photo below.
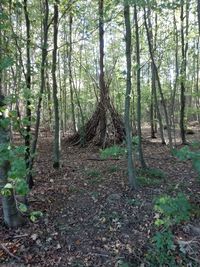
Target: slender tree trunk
(28, 100)
(56, 148)
(42, 77)
(176, 80)
(102, 85)
(197, 80)
(12, 217)
(183, 75)
(153, 42)
(158, 81)
(70, 73)
(142, 161)
(131, 169)
(198, 11)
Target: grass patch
(151, 177)
(93, 173)
(95, 180)
(113, 168)
(112, 152)
(146, 181)
(133, 202)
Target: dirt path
(91, 218)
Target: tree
(184, 48)
(27, 136)
(137, 44)
(12, 216)
(131, 169)
(158, 80)
(56, 150)
(45, 28)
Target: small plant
(113, 168)
(150, 177)
(93, 173)
(152, 173)
(170, 212)
(122, 263)
(186, 154)
(146, 181)
(95, 180)
(112, 152)
(132, 201)
(162, 253)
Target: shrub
(112, 152)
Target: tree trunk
(42, 77)
(198, 11)
(158, 81)
(56, 148)
(102, 85)
(28, 101)
(12, 217)
(70, 73)
(139, 131)
(183, 73)
(131, 169)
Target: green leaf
(8, 186)
(35, 215)
(23, 207)
(21, 187)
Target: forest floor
(90, 216)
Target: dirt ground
(90, 216)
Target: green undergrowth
(150, 177)
(112, 152)
(169, 213)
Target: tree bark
(56, 148)
(158, 81)
(139, 130)
(70, 72)
(42, 77)
(12, 217)
(183, 72)
(131, 169)
(102, 85)
(28, 101)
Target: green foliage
(146, 181)
(162, 253)
(22, 207)
(133, 201)
(122, 263)
(186, 153)
(172, 210)
(14, 156)
(113, 168)
(93, 173)
(148, 177)
(35, 215)
(112, 152)
(152, 173)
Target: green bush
(112, 152)
(172, 210)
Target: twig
(98, 159)
(101, 255)
(19, 236)
(9, 253)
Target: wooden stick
(9, 253)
